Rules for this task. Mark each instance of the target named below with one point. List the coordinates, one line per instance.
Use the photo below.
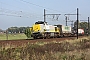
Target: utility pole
(77, 22)
(66, 20)
(88, 25)
(49, 14)
(44, 16)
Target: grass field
(78, 49)
(12, 36)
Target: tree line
(16, 29)
(83, 25)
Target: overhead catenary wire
(31, 14)
(83, 18)
(21, 16)
(10, 5)
(8, 12)
(10, 15)
(39, 6)
(16, 12)
(32, 4)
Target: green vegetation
(65, 50)
(83, 25)
(12, 36)
(28, 32)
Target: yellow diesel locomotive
(44, 30)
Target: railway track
(25, 41)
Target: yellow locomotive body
(44, 30)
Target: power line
(14, 10)
(17, 12)
(8, 12)
(39, 6)
(10, 15)
(21, 13)
(21, 16)
(31, 4)
(10, 5)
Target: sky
(23, 13)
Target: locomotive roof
(40, 22)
